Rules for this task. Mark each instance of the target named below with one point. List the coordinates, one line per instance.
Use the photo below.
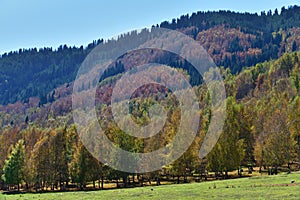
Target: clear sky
(50, 23)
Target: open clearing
(264, 187)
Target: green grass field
(265, 187)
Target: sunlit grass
(260, 187)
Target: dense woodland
(234, 40)
(258, 59)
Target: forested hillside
(234, 40)
(261, 129)
(258, 59)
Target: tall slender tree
(14, 165)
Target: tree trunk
(124, 181)
(276, 170)
(185, 177)
(133, 181)
(226, 174)
(141, 179)
(67, 184)
(157, 181)
(298, 142)
(128, 180)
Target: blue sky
(50, 23)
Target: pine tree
(294, 46)
(14, 165)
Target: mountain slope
(234, 40)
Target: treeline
(261, 129)
(267, 27)
(265, 22)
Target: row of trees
(51, 160)
(248, 22)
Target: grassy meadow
(260, 187)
